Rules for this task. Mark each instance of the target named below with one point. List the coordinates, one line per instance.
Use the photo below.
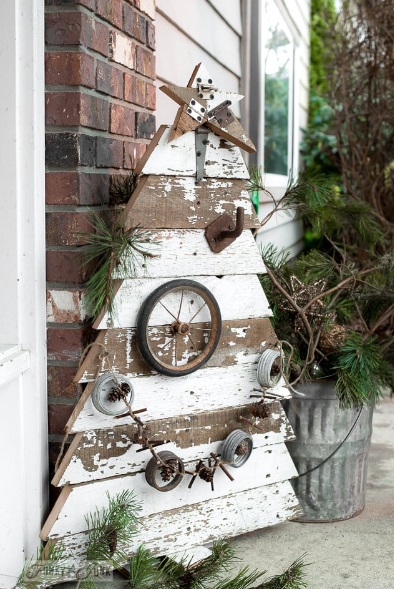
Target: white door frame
(23, 407)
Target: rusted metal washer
(173, 468)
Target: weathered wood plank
(178, 158)
(238, 297)
(207, 389)
(266, 465)
(185, 252)
(192, 525)
(98, 454)
(178, 202)
(116, 349)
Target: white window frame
(23, 402)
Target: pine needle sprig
(112, 528)
(112, 248)
(122, 187)
(292, 578)
(243, 580)
(43, 570)
(145, 571)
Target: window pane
(278, 64)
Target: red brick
(67, 149)
(134, 23)
(145, 63)
(134, 89)
(67, 266)
(58, 415)
(65, 343)
(150, 35)
(109, 79)
(61, 382)
(61, 188)
(62, 108)
(73, 69)
(109, 153)
(145, 125)
(110, 10)
(65, 228)
(122, 120)
(91, 4)
(133, 152)
(64, 28)
(72, 188)
(150, 96)
(96, 36)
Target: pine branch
(112, 528)
(44, 570)
(293, 578)
(112, 247)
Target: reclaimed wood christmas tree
(181, 399)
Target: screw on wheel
(165, 472)
(178, 327)
(237, 448)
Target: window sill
(13, 362)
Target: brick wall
(100, 99)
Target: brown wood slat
(241, 337)
(95, 447)
(176, 202)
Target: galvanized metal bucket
(336, 489)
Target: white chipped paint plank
(238, 297)
(165, 396)
(193, 525)
(267, 465)
(126, 459)
(185, 252)
(178, 158)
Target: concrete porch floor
(353, 554)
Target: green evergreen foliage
(37, 572)
(113, 528)
(293, 578)
(340, 317)
(122, 187)
(106, 247)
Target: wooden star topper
(202, 103)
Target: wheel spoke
(193, 344)
(195, 315)
(168, 311)
(180, 306)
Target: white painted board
(178, 158)
(192, 525)
(163, 396)
(185, 252)
(238, 297)
(266, 465)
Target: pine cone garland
(119, 392)
(206, 474)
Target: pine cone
(119, 392)
(260, 410)
(168, 470)
(242, 448)
(206, 474)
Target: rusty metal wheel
(165, 474)
(179, 327)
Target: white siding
(191, 32)
(216, 32)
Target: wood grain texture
(207, 389)
(98, 454)
(116, 350)
(238, 297)
(178, 158)
(192, 525)
(266, 465)
(185, 252)
(178, 202)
